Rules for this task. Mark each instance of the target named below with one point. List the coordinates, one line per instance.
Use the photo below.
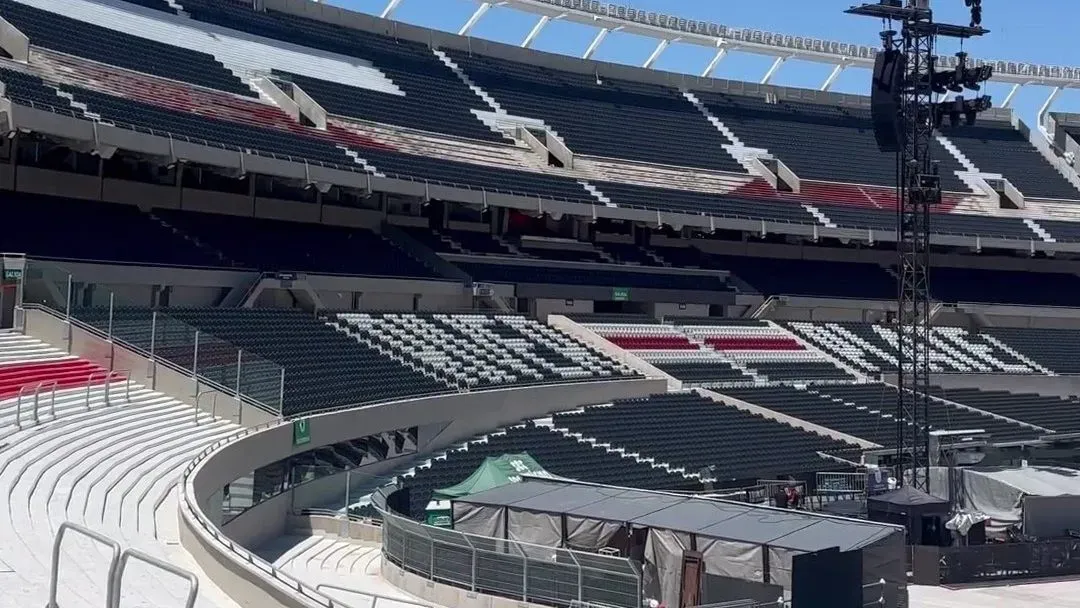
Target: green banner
(301, 433)
(620, 294)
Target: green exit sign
(301, 432)
(620, 294)
(12, 274)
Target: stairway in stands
(108, 459)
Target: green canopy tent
(492, 473)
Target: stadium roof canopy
(720, 519)
(666, 29)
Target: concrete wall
(451, 418)
(348, 528)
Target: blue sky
(1021, 30)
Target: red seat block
(758, 343)
(67, 373)
(652, 342)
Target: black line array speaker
(889, 71)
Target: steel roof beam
(535, 31)
(595, 44)
(390, 8)
(772, 69)
(656, 53)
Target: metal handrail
(110, 594)
(117, 576)
(107, 376)
(52, 398)
(213, 404)
(375, 597)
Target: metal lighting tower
(918, 190)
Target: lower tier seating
(687, 430)
(475, 351)
(882, 397)
(1054, 413)
(557, 453)
(324, 368)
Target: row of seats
(687, 430)
(872, 348)
(867, 411)
(1057, 414)
(557, 453)
(481, 351)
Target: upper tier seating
(106, 232)
(996, 147)
(603, 117)
(882, 397)
(273, 245)
(428, 108)
(434, 99)
(557, 453)
(516, 273)
(60, 33)
(625, 195)
(1063, 232)
(481, 351)
(1056, 349)
(1054, 413)
(818, 141)
(324, 368)
(629, 253)
(940, 223)
(684, 429)
(872, 348)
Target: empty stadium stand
(996, 286)
(1055, 349)
(997, 147)
(687, 430)
(779, 276)
(872, 348)
(882, 397)
(603, 117)
(644, 197)
(481, 351)
(107, 232)
(559, 453)
(942, 223)
(65, 34)
(1055, 413)
(818, 141)
(257, 243)
(717, 353)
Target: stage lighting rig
(905, 113)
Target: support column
(1049, 103)
(825, 86)
(772, 70)
(721, 52)
(1012, 93)
(656, 53)
(390, 8)
(480, 11)
(535, 31)
(595, 44)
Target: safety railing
(107, 376)
(50, 384)
(129, 554)
(198, 404)
(114, 561)
(374, 597)
(528, 572)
